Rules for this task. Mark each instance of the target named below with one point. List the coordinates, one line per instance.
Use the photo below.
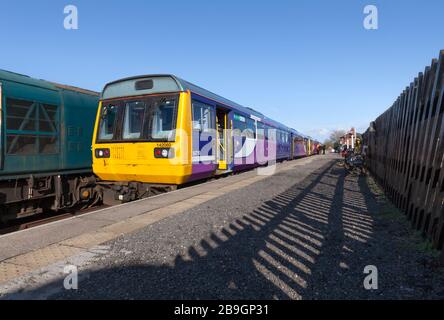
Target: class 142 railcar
(45, 146)
(160, 131)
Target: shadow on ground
(312, 241)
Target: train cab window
(133, 120)
(149, 119)
(163, 126)
(108, 122)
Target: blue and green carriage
(45, 146)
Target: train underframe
(27, 196)
(116, 192)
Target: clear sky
(307, 63)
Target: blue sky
(307, 63)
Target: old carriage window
(48, 144)
(134, 114)
(21, 115)
(48, 118)
(31, 127)
(21, 144)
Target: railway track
(48, 217)
(44, 218)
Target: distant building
(349, 139)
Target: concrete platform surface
(26, 251)
(307, 232)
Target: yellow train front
(157, 132)
(140, 136)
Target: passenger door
(222, 139)
(204, 136)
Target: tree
(336, 135)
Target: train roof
(183, 85)
(27, 80)
(76, 89)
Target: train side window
(239, 123)
(260, 131)
(251, 129)
(272, 134)
(203, 117)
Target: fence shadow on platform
(297, 245)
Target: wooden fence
(405, 150)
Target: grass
(390, 213)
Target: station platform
(305, 232)
(29, 252)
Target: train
(159, 131)
(63, 147)
(45, 146)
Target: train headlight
(85, 194)
(102, 153)
(163, 153)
